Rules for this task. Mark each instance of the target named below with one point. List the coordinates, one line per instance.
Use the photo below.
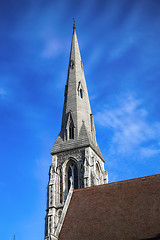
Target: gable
(122, 210)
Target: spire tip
(74, 27)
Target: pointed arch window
(72, 173)
(80, 89)
(61, 186)
(71, 64)
(98, 174)
(71, 132)
(69, 175)
(75, 177)
(81, 93)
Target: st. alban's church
(77, 161)
(81, 205)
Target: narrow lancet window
(81, 93)
(69, 175)
(61, 186)
(75, 177)
(72, 176)
(80, 90)
(71, 132)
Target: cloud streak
(133, 133)
(2, 91)
(53, 47)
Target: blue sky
(120, 48)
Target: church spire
(77, 161)
(77, 119)
(74, 27)
(76, 95)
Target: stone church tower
(77, 161)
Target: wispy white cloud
(133, 133)
(148, 152)
(121, 48)
(2, 92)
(53, 48)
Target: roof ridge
(123, 181)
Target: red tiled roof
(117, 211)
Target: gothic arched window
(80, 89)
(71, 132)
(69, 175)
(75, 177)
(81, 93)
(61, 186)
(72, 173)
(98, 174)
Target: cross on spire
(77, 119)
(74, 27)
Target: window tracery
(72, 173)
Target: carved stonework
(77, 154)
